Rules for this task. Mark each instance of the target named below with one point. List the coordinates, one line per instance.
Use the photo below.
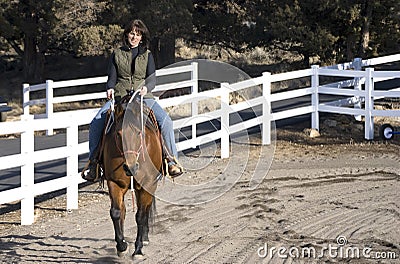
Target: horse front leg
(150, 211)
(142, 229)
(145, 238)
(117, 213)
(144, 205)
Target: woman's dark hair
(140, 27)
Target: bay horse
(132, 157)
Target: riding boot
(93, 172)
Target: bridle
(140, 149)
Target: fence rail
(71, 120)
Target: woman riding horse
(131, 68)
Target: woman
(131, 66)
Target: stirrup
(179, 166)
(92, 171)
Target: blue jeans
(96, 128)
(163, 120)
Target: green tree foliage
(35, 28)
(224, 23)
(96, 40)
(301, 26)
(330, 30)
(384, 23)
(26, 26)
(76, 18)
(334, 30)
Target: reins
(142, 141)
(141, 147)
(141, 109)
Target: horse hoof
(138, 256)
(123, 253)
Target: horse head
(130, 135)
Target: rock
(312, 133)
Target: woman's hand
(110, 93)
(143, 91)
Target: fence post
(195, 90)
(267, 115)
(357, 85)
(72, 165)
(28, 173)
(224, 120)
(315, 97)
(49, 103)
(369, 104)
(25, 98)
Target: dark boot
(92, 172)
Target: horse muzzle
(131, 170)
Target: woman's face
(134, 38)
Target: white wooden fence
(28, 157)
(72, 119)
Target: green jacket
(125, 79)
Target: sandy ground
(316, 191)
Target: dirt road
(317, 195)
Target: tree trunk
(33, 61)
(350, 47)
(365, 28)
(29, 58)
(163, 51)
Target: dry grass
(257, 56)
